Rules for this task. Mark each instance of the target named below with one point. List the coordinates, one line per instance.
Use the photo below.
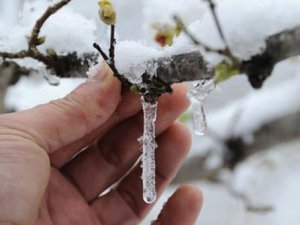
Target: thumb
(61, 122)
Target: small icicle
(51, 79)
(197, 98)
(148, 155)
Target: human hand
(42, 181)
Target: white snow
(34, 90)
(271, 177)
(259, 107)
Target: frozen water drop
(148, 155)
(51, 79)
(197, 98)
(150, 199)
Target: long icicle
(148, 155)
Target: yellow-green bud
(135, 89)
(225, 71)
(41, 40)
(51, 52)
(107, 12)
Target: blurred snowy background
(262, 189)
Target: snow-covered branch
(279, 47)
(52, 61)
(33, 40)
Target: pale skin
(42, 183)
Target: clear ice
(148, 155)
(197, 98)
(51, 79)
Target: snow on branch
(279, 47)
(62, 65)
(33, 40)
(168, 70)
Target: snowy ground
(269, 178)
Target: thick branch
(17, 55)
(174, 69)
(183, 67)
(279, 47)
(283, 130)
(272, 134)
(70, 65)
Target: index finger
(66, 120)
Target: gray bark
(279, 47)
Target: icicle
(197, 98)
(148, 155)
(51, 79)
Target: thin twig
(112, 44)
(32, 43)
(212, 7)
(111, 64)
(102, 53)
(16, 55)
(195, 40)
(32, 50)
(110, 60)
(227, 50)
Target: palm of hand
(41, 185)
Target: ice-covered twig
(161, 73)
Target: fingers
(126, 199)
(129, 106)
(63, 121)
(182, 208)
(24, 174)
(103, 164)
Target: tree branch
(17, 55)
(195, 40)
(33, 40)
(279, 47)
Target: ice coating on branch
(197, 98)
(148, 155)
